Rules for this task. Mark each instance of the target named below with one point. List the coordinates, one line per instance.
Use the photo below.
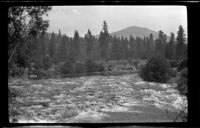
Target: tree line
(57, 48)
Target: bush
(100, 68)
(16, 72)
(47, 62)
(66, 68)
(91, 66)
(140, 65)
(173, 63)
(182, 81)
(135, 62)
(182, 64)
(157, 69)
(80, 68)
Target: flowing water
(94, 99)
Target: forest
(67, 55)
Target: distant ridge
(135, 31)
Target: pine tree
(151, 44)
(51, 50)
(160, 44)
(132, 47)
(126, 48)
(89, 43)
(76, 44)
(74, 47)
(104, 41)
(170, 48)
(114, 48)
(180, 45)
(62, 51)
(139, 47)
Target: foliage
(170, 48)
(183, 76)
(16, 71)
(173, 63)
(24, 22)
(104, 39)
(160, 44)
(182, 82)
(89, 38)
(51, 49)
(182, 64)
(66, 68)
(80, 68)
(180, 45)
(157, 69)
(47, 62)
(92, 66)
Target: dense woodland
(48, 49)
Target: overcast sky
(81, 18)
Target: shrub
(80, 68)
(157, 69)
(16, 72)
(91, 66)
(173, 63)
(135, 62)
(100, 68)
(47, 62)
(182, 64)
(66, 68)
(140, 66)
(182, 81)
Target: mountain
(135, 32)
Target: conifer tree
(74, 52)
(132, 47)
(62, 51)
(170, 48)
(104, 40)
(51, 50)
(160, 44)
(89, 42)
(180, 45)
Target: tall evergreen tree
(62, 51)
(139, 47)
(151, 43)
(104, 40)
(116, 48)
(126, 46)
(180, 45)
(89, 43)
(75, 49)
(51, 50)
(170, 47)
(160, 44)
(132, 47)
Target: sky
(81, 18)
